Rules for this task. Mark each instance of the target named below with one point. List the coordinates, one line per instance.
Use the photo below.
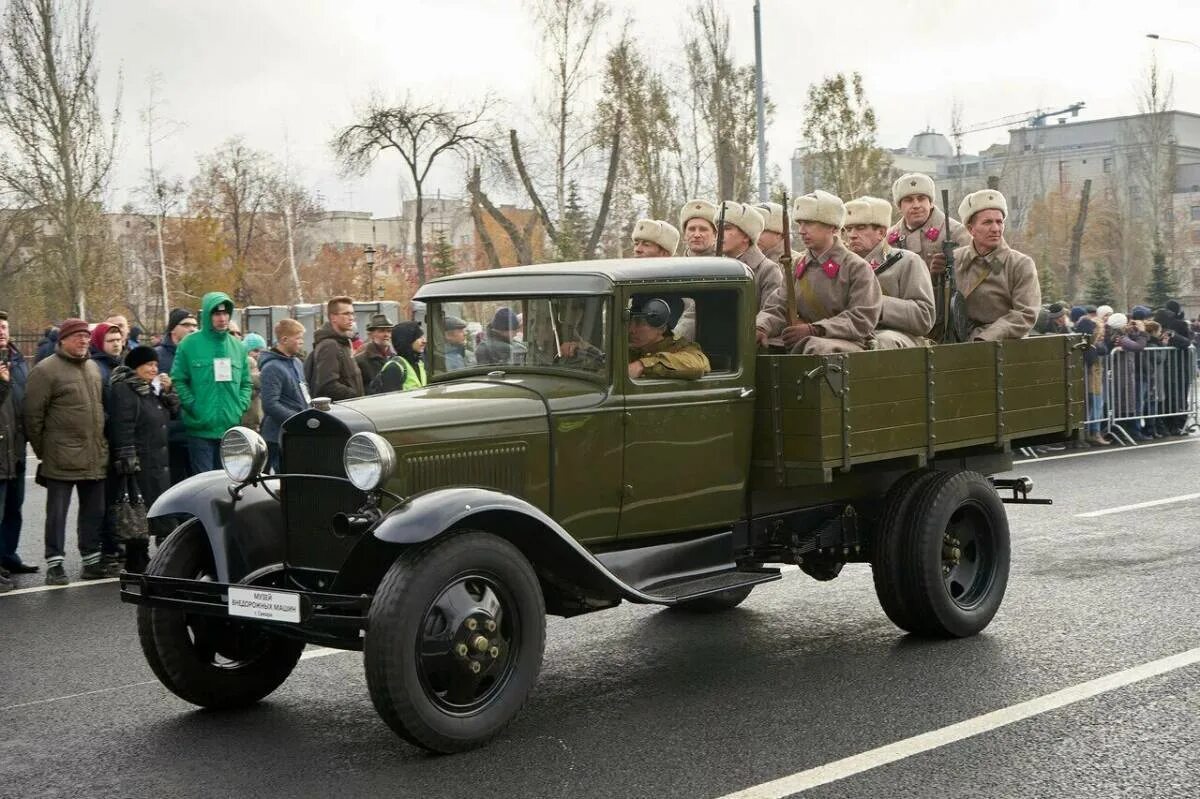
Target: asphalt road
(638, 702)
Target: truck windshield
(568, 333)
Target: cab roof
(583, 277)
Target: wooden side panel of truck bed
(818, 415)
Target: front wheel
(206, 660)
(455, 641)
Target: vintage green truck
(434, 529)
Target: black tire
(950, 596)
(206, 660)
(715, 603)
(889, 541)
(461, 587)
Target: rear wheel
(455, 641)
(955, 556)
(887, 564)
(207, 660)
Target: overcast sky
(286, 73)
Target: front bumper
(337, 620)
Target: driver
(653, 349)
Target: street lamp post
(1156, 37)
(369, 252)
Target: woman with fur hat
(999, 284)
(142, 404)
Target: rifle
(721, 230)
(955, 328)
(785, 264)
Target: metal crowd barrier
(1155, 386)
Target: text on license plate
(255, 603)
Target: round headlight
(243, 454)
(369, 460)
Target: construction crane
(1034, 119)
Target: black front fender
(245, 534)
(556, 555)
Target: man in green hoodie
(212, 377)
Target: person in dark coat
(284, 391)
(142, 404)
(105, 351)
(180, 324)
(47, 344)
(405, 370)
(14, 374)
(1176, 334)
(374, 354)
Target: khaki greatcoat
(1001, 289)
(908, 309)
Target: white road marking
(1107, 451)
(76, 696)
(320, 652)
(865, 761)
(308, 654)
(1137, 506)
(39, 588)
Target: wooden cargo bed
(816, 415)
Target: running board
(670, 592)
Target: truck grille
(309, 505)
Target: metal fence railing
(1147, 392)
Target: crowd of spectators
(1140, 367)
(107, 415)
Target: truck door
(687, 442)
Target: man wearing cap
(838, 299)
(454, 334)
(64, 421)
(999, 284)
(906, 315)
(743, 224)
(501, 345)
(14, 377)
(377, 350)
(180, 323)
(212, 378)
(770, 241)
(1051, 320)
(653, 238)
(654, 351)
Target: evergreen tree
(574, 228)
(1099, 290)
(443, 261)
(1163, 285)
(1048, 281)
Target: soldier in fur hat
(907, 312)
(1000, 285)
(653, 238)
(743, 225)
(770, 241)
(838, 299)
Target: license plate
(255, 603)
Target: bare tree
(61, 148)
(420, 134)
(638, 93)
(1152, 154)
(297, 209)
(160, 193)
(569, 28)
(232, 187)
(841, 134)
(725, 95)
